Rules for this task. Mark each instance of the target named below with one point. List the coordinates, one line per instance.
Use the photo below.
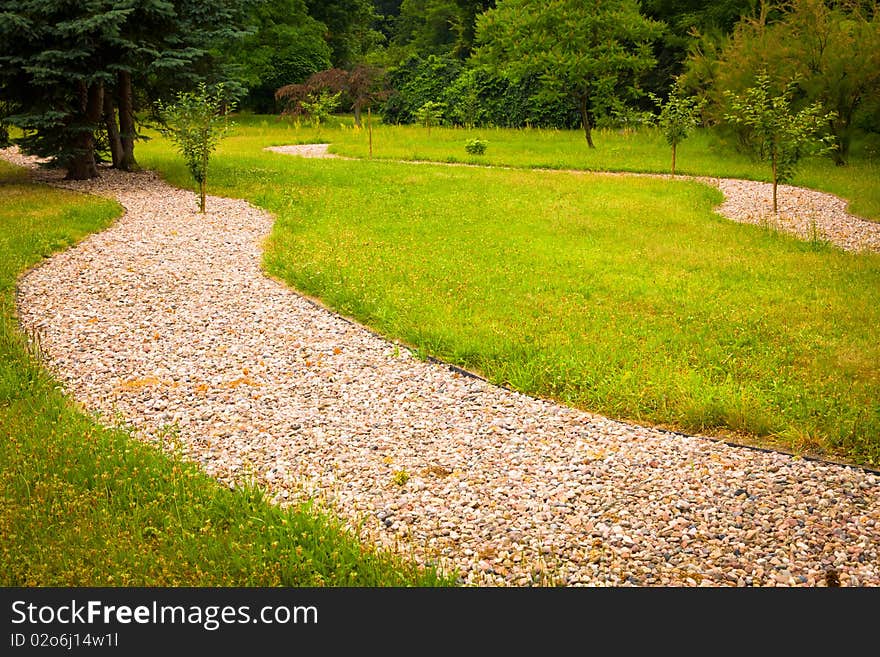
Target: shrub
(483, 97)
(476, 146)
(319, 105)
(416, 82)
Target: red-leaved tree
(360, 87)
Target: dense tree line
(78, 77)
(830, 48)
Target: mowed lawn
(704, 153)
(85, 505)
(620, 295)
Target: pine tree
(53, 67)
(70, 69)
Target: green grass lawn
(704, 153)
(83, 505)
(628, 297)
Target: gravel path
(166, 321)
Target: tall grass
(84, 505)
(624, 296)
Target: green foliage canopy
(427, 27)
(350, 31)
(685, 20)
(286, 47)
(592, 52)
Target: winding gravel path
(167, 321)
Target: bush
(482, 97)
(319, 105)
(415, 83)
(476, 146)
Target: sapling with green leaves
(778, 133)
(679, 116)
(319, 105)
(195, 123)
(431, 113)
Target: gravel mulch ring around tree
(806, 213)
(166, 322)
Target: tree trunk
(842, 128)
(127, 131)
(81, 163)
(588, 134)
(370, 128)
(81, 166)
(775, 211)
(357, 115)
(673, 160)
(112, 130)
(841, 154)
(586, 121)
(203, 191)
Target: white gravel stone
(167, 321)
